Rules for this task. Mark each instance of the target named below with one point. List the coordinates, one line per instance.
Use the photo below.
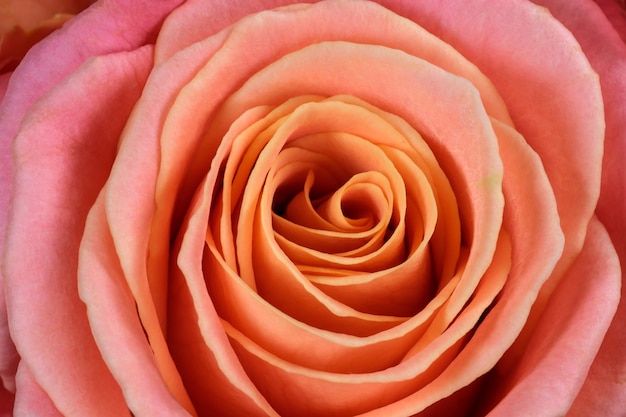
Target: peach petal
(356, 22)
(241, 136)
(196, 20)
(399, 284)
(30, 398)
(133, 223)
(359, 236)
(343, 146)
(237, 288)
(557, 358)
(69, 152)
(404, 282)
(197, 341)
(479, 197)
(335, 394)
(234, 289)
(150, 383)
(221, 78)
(252, 315)
(537, 244)
(301, 222)
(564, 124)
(445, 242)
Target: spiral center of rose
(322, 217)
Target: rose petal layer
(63, 156)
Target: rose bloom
(256, 208)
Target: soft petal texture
(557, 120)
(557, 358)
(607, 54)
(60, 55)
(532, 214)
(114, 322)
(8, 354)
(31, 399)
(74, 162)
(66, 49)
(125, 252)
(130, 220)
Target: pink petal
(145, 372)
(128, 25)
(8, 355)
(563, 346)
(563, 124)
(607, 54)
(31, 399)
(63, 155)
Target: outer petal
(63, 155)
(198, 19)
(115, 323)
(8, 355)
(128, 25)
(31, 400)
(563, 346)
(66, 49)
(607, 54)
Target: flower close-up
(331, 208)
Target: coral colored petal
(605, 379)
(30, 399)
(197, 339)
(337, 20)
(63, 155)
(114, 322)
(335, 393)
(558, 112)
(361, 23)
(476, 185)
(563, 346)
(196, 20)
(607, 54)
(537, 244)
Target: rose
(516, 317)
